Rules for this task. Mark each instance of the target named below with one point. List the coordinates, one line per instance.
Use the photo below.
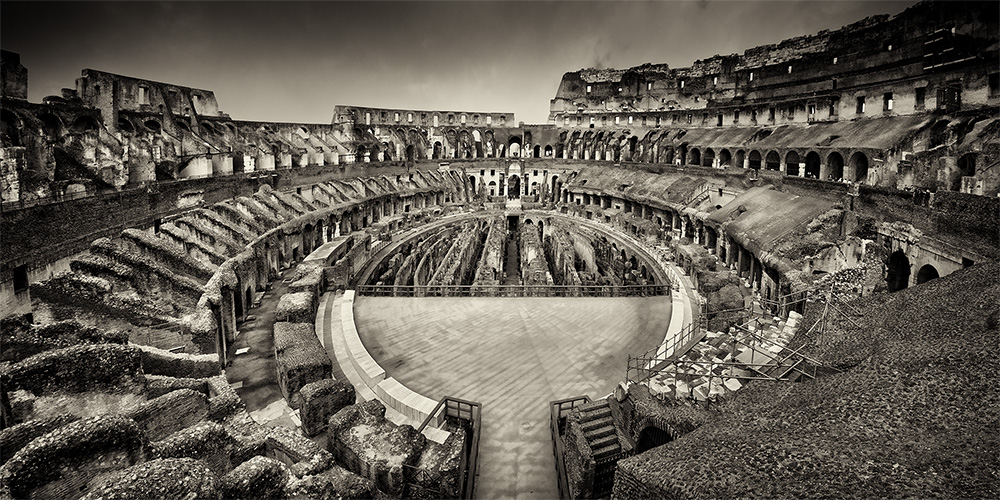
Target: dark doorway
(650, 438)
(898, 274)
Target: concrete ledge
(407, 402)
(363, 362)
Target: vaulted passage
(651, 437)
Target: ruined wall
(490, 268)
(534, 270)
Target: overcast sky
(293, 61)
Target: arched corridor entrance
(650, 438)
(927, 273)
(792, 163)
(812, 165)
(834, 167)
(898, 273)
(859, 164)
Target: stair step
(600, 432)
(597, 424)
(607, 451)
(611, 439)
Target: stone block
(320, 400)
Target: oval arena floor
(513, 355)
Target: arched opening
(555, 187)
(52, 125)
(493, 188)
(514, 147)
(514, 187)
(966, 168)
(792, 163)
(835, 167)
(898, 272)
(740, 158)
(694, 155)
(152, 126)
(411, 153)
(238, 304)
(537, 152)
(651, 437)
(708, 158)
(812, 165)
(632, 142)
(86, 124)
(859, 164)
(755, 160)
(125, 126)
(548, 151)
(772, 161)
(472, 184)
(926, 273)
(437, 150)
(726, 158)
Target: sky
(293, 61)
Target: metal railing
(468, 416)
(513, 290)
(644, 366)
(558, 410)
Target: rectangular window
(649, 85)
(618, 120)
(812, 109)
(690, 117)
(462, 120)
(770, 114)
(629, 120)
(566, 121)
(834, 107)
(751, 76)
(682, 84)
(588, 89)
(493, 172)
(534, 172)
(396, 116)
(657, 121)
(715, 80)
(860, 108)
(718, 123)
(736, 116)
(887, 101)
(143, 95)
(368, 118)
(591, 120)
(409, 117)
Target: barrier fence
(513, 290)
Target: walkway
(513, 355)
(254, 373)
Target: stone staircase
(599, 429)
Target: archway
(410, 153)
(548, 151)
(926, 273)
(740, 158)
(472, 184)
(493, 188)
(651, 437)
(537, 152)
(514, 147)
(834, 167)
(726, 158)
(898, 273)
(755, 160)
(437, 150)
(694, 155)
(555, 187)
(859, 164)
(514, 187)
(632, 141)
(708, 158)
(772, 161)
(966, 168)
(792, 163)
(812, 165)
(85, 124)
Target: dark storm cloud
(292, 61)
